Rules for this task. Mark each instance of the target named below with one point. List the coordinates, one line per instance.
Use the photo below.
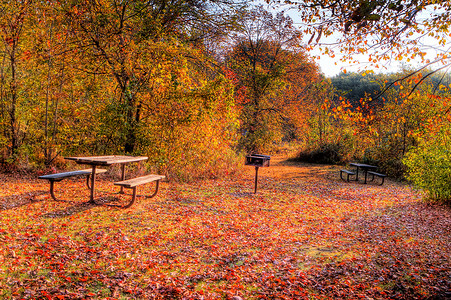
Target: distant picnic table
(365, 169)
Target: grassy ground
(305, 235)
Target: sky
(333, 66)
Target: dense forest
(194, 85)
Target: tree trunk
(14, 128)
(130, 137)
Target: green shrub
(429, 164)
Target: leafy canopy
(392, 30)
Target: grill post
(257, 160)
(256, 179)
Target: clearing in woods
(305, 234)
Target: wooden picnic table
(363, 167)
(108, 160)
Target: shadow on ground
(14, 201)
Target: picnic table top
(359, 165)
(106, 160)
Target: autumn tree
(353, 86)
(13, 32)
(405, 110)
(54, 83)
(138, 43)
(272, 76)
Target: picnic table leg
(52, 193)
(133, 198)
(122, 178)
(156, 189)
(93, 180)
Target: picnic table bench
(135, 182)
(347, 172)
(52, 178)
(382, 176)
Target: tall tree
(51, 80)
(13, 31)
(272, 73)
